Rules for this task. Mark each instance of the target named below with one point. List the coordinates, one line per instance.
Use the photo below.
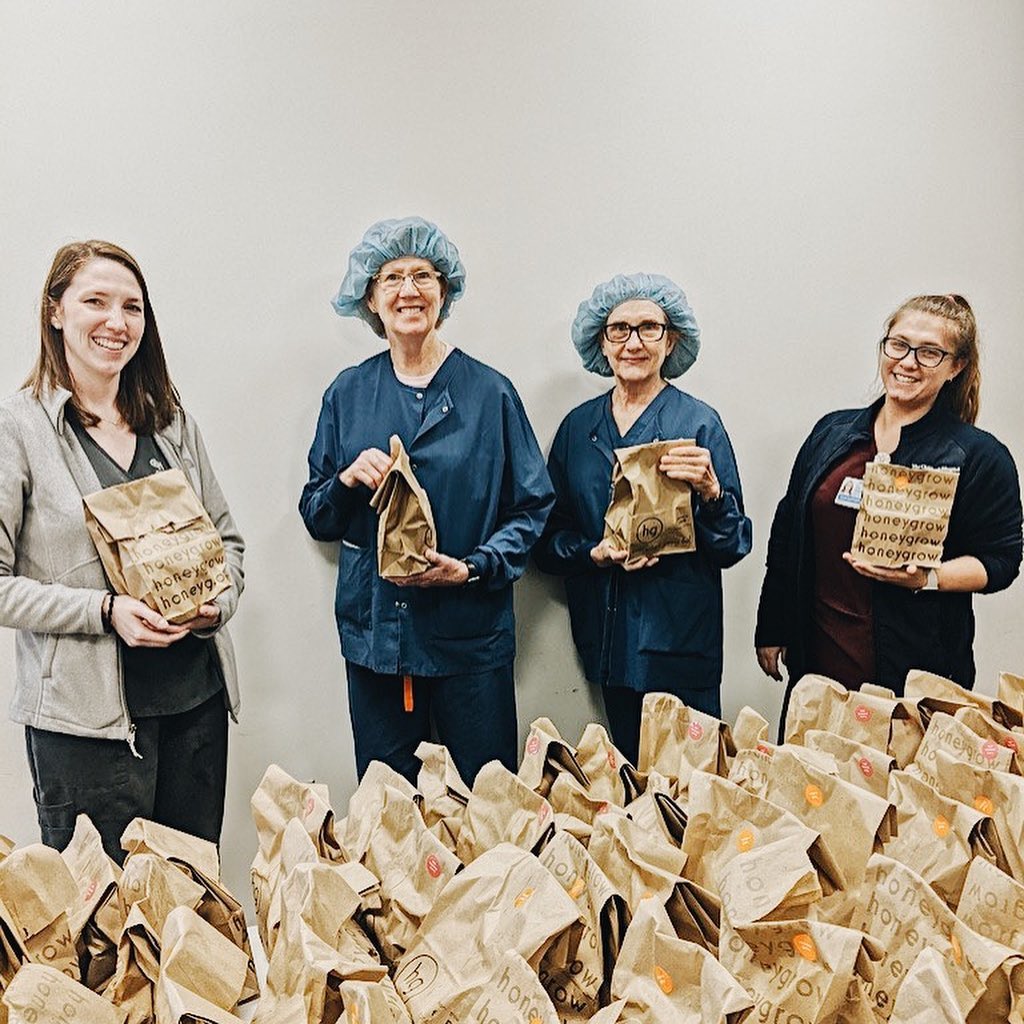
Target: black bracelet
(107, 612)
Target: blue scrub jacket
(657, 628)
(473, 450)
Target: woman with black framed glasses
(823, 611)
(650, 624)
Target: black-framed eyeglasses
(421, 279)
(928, 356)
(619, 332)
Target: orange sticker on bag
(804, 945)
(941, 826)
(958, 952)
(524, 897)
(813, 795)
(1011, 742)
(983, 804)
(745, 840)
(611, 760)
(577, 889)
(353, 1014)
(664, 979)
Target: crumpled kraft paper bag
(1000, 795)
(639, 864)
(937, 693)
(1011, 691)
(318, 947)
(664, 978)
(696, 914)
(803, 970)
(502, 809)
(903, 517)
(649, 514)
(676, 741)
(405, 528)
(750, 729)
(514, 995)
(98, 916)
(36, 889)
(905, 915)
(505, 900)
(199, 859)
(576, 808)
(202, 973)
(870, 715)
(655, 811)
(277, 800)
(992, 904)
(726, 822)
(132, 987)
(445, 795)
(546, 756)
(602, 763)
(413, 866)
(43, 995)
(858, 763)
(158, 544)
(372, 1002)
(956, 738)
(364, 807)
(926, 995)
(577, 966)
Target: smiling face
(408, 310)
(636, 363)
(907, 384)
(101, 316)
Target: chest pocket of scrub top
(678, 617)
(354, 597)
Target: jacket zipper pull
(131, 741)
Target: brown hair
(146, 398)
(964, 390)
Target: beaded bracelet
(107, 612)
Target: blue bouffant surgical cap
(392, 240)
(588, 327)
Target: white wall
(799, 167)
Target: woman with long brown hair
(824, 611)
(125, 713)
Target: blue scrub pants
(474, 716)
(623, 706)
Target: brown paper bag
(992, 904)
(696, 914)
(902, 912)
(858, 763)
(413, 866)
(577, 807)
(43, 995)
(750, 730)
(802, 970)
(202, 974)
(1011, 691)
(638, 863)
(405, 528)
(514, 995)
(546, 756)
(133, 985)
(36, 889)
(577, 966)
(372, 1002)
(365, 805)
(602, 762)
(197, 858)
(658, 813)
(97, 918)
(726, 823)
(676, 741)
(664, 978)
(444, 793)
(904, 514)
(954, 737)
(158, 544)
(649, 514)
(927, 995)
(504, 900)
(278, 799)
(502, 809)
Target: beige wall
(799, 167)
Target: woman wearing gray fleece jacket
(125, 714)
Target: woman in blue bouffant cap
(440, 646)
(650, 623)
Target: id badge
(848, 495)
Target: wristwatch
(474, 572)
(931, 580)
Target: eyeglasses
(649, 331)
(928, 356)
(422, 280)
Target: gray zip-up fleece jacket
(69, 675)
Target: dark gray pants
(178, 781)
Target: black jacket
(927, 630)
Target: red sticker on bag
(867, 769)
(862, 713)
(611, 760)
(310, 804)
(989, 750)
(533, 744)
(1012, 744)
(90, 891)
(433, 866)
(696, 730)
